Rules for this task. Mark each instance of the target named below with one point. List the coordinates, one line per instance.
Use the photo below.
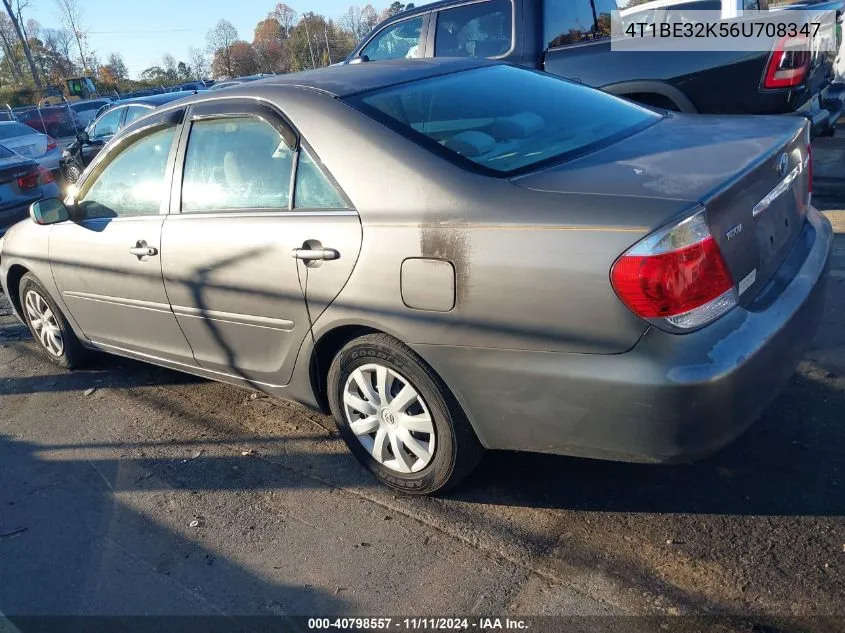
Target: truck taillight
(788, 63)
(677, 276)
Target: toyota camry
(447, 255)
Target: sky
(144, 30)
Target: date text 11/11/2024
(419, 624)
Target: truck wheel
(399, 418)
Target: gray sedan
(448, 255)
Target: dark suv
(570, 38)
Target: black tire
(72, 353)
(457, 449)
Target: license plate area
(778, 226)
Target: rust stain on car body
(451, 244)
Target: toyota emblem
(783, 164)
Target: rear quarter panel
(531, 268)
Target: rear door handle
(141, 250)
(314, 254)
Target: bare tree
(72, 16)
(13, 16)
(198, 63)
(359, 20)
(285, 16)
(220, 40)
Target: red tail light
(788, 63)
(30, 181)
(677, 275)
(45, 176)
(36, 178)
(51, 143)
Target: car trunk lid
(30, 146)
(11, 169)
(729, 165)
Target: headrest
(519, 125)
(471, 143)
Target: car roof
(348, 79)
(425, 8)
(165, 97)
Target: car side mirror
(83, 137)
(49, 211)
(359, 60)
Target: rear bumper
(824, 112)
(670, 398)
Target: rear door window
(569, 22)
(503, 119)
(313, 189)
(236, 163)
(397, 41)
(481, 29)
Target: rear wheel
(399, 418)
(48, 325)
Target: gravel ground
(128, 489)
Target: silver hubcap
(44, 323)
(389, 418)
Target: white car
(30, 143)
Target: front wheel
(73, 173)
(399, 418)
(49, 326)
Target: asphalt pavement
(129, 489)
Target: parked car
(22, 182)
(113, 118)
(29, 143)
(447, 259)
(87, 111)
(240, 80)
(572, 39)
(56, 121)
(191, 85)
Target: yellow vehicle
(78, 88)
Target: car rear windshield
(5, 152)
(503, 119)
(13, 130)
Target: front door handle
(315, 254)
(141, 250)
